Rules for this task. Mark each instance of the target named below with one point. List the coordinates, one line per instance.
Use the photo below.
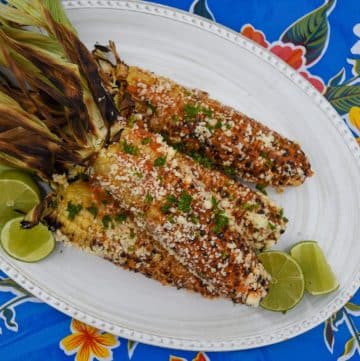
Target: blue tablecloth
(322, 41)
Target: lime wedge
(28, 245)
(19, 194)
(319, 277)
(287, 284)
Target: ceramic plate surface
(201, 54)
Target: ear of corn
(103, 228)
(214, 134)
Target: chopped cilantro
(146, 141)
(285, 219)
(221, 221)
(93, 210)
(132, 120)
(207, 112)
(149, 198)
(170, 201)
(281, 212)
(121, 217)
(171, 198)
(184, 203)
(160, 161)
(139, 175)
(175, 118)
(218, 124)
(224, 255)
(179, 146)
(268, 161)
(250, 206)
(170, 219)
(73, 210)
(194, 219)
(151, 107)
(129, 148)
(106, 220)
(132, 233)
(202, 159)
(261, 188)
(271, 226)
(191, 111)
(214, 202)
(230, 171)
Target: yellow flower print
(88, 342)
(354, 116)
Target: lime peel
(27, 245)
(287, 286)
(319, 277)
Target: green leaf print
(349, 350)
(343, 97)
(311, 31)
(338, 78)
(200, 7)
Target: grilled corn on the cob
(88, 218)
(215, 134)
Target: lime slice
(287, 283)
(319, 277)
(19, 194)
(28, 245)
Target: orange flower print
(175, 358)
(201, 357)
(88, 343)
(291, 54)
(314, 80)
(255, 35)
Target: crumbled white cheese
(267, 139)
(258, 220)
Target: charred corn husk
(172, 200)
(211, 132)
(87, 218)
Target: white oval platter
(202, 54)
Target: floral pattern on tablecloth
(321, 40)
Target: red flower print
(314, 80)
(291, 54)
(255, 35)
